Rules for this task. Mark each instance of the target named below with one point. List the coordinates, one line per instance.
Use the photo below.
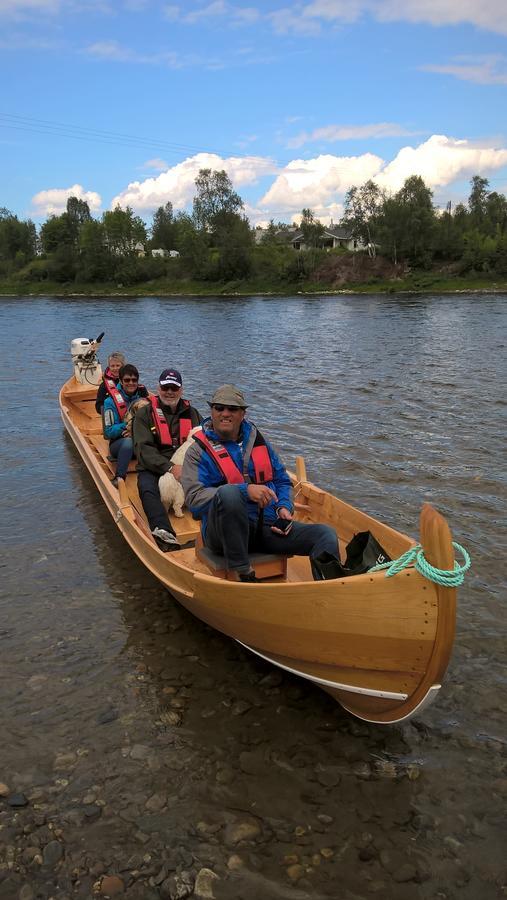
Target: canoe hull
(379, 646)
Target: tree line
(215, 242)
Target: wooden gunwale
(379, 646)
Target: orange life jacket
(223, 460)
(162, 428)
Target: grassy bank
(419, 282)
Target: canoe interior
(379, 646)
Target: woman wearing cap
(159, 429)
(235, 482)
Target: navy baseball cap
(170, 376)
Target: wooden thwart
(265, 565)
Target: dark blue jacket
(201, 477)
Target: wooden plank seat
(102, 446)
(265, 565)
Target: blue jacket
(201, 477)
(112, 424)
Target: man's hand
(176, 471)
(261, 495)
(282, 514)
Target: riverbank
(414, 283)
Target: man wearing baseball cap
(158, 430)
(237, 485)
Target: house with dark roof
(332, 237)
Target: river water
(144, 753)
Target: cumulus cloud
(177, 184)
(320, 183)
(158, 164)
(441, 160)
(54, 200)
(333, 133)
(480, 70)
(491, 15)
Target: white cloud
(333, 133)
(159, 164)
(322, 182)
(441, 160)
(491, 15)
(177, 184)
(480, 70)
(319, 183)
(217, 9)
(20, 8)
(54, 200)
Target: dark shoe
(114, 482)
(165, 540)
(248, 577)
(326, 567)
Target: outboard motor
(87, 369)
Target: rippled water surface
(148, 747)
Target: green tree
(234, 241)
(477, 200)
(311, 229)
(95, 262)
(215, 197)
(57, 232)
(163, 230)
(18, 240)
(363, 209)
(123, 230)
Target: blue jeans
(231, 534)
(122, 449)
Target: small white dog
(171, 491)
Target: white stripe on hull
(323, 682)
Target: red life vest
(162, 428)
(117, 398)
(223, 460)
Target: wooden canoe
(380, 646)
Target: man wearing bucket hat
(158, 430)
(237, 485)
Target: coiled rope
(415, 556)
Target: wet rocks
(111, 886)
(241, 831)
(177, 887)
(52, 853)
(17, 801)
(204, 884)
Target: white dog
(171, 491)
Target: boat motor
(87, 368)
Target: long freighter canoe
(380, 646)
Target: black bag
(364, 552)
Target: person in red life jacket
(159, 429)
(110, 377)
(235, 482)
(116, 406)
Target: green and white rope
(415, 556)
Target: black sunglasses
(221, 408)
(126, 378)
(170, 387)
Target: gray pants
(231, 534)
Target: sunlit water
(392, 401)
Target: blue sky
(125, 101)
